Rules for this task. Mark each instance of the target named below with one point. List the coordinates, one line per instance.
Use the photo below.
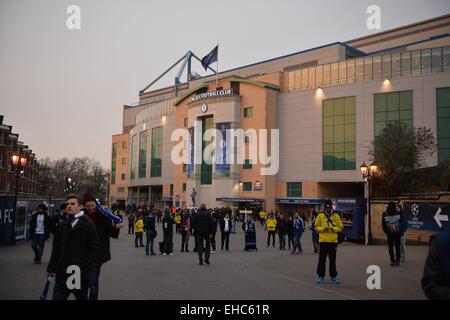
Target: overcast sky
(63, 90)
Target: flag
(210, 58)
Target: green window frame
(246, 186)
(443, 123)
(247, 138)
(171, 189)
(339, 133)
(184, 167)
(248, 112)
(157, 146)
(184, 187)
(392, 106)
(113, 163)
(185, 122)
(123, 176)
(206, 169)
(247, 164)
(294, 189)
(133, 151)
(124, 145)
(142, 170)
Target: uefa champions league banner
(427, 216)
(222, 150)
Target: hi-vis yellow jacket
(262, 214)
(271, 224)
(326, 231)
(139, 225)
(177, 219)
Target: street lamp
(368, 172)
(18, 162)
(71, 185)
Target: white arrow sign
(440, 217)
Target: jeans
(131, 228)
(394, 241)
(271, 234)
(203, 245)
(290, 240)
(315, 240)
(226, 240)
(149, 244)
(297, 243)
(402, 248)
(213, 241)
(327, 249)
(139, 236)
(37, 244)
(168, 244)
(282, 238)
(61, 292)
(94, 275)
(184, 240)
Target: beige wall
(114, 194)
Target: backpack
(340, 236)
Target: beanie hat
(88, 197)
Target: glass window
(446, 59)
(386, 66)
(392, 106)
(350, 71)
(443, 120)
(133, 151)
(123, 176)
(124, 160)
(156, 156)
(342, 72)
(376, 64)
(247, 164)
(396, 65)
(426, 61)
(415, 63)
(185, 122)
(334, 74)
(359, 69)
(206, 166)
(248, 112)
(247, 138)
(247, 186)
(142, 154)
(124, 145)
(436, 60)
(406, 63)
(184, 167)
(312, 77)
(367, 68)
(184, 187)
(294, 189)
(298, 80)
(291, 82)
(326, 75)
(319, 74)
(113, 163)
(339, 134)
(304, 79)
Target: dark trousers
(61, 292)
(327, 249)
(282, 239)
(184, 240)
(315, 241)
(149, 244)
(297, 243)
(203, 245)
(178, 228)
(94, 275)
(290, 240)
(271, 234)
(168, 244)
(131, 228)
(394, 241)
(37, 244)
(138, 238)
(226, 240)
(213, 241)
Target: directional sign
(427, 216)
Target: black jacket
(105, 230)
(282, 226)
(169, 220)
(47, 224)
(55, 219)
(222, 225)
(73, 246)
(203, 222)
(436, 274)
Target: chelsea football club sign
(207, 95)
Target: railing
(395, 65)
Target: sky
(63, 90)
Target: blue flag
(210, 58)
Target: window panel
(376, 68)
(380, 102)
(367, 68)
(156, 153)
(436, 60)
(342, 72)
(328, 109)
(359, 69)
(133, 151)
(426, 61)
(334, 74)
(393, 102)
(338, 132)
(339, 120)
(291, 81)
(328, 121)
(350, 134)
(247, 186)
(339, 108)
(304, 79)
(446, 59)
(386, 66)
(298, 80)
(350, 119)
(396, 65)
(405, 100)
(312, 77)
(415, 63)
(319, 74)
(406, 63)
(328, 134)
(351, 71)
(326, 75)
(142, 154)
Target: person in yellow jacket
(271, 224)
(328, 225)
(178, 223)
(139, 231)
(262, 216)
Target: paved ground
(265, 274)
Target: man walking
(225, 229)
(203, 226)
(39, 230)
(271, 224)
(392, 223)
(150, 230)
(167, 223)
(75, 247)
(185, 231)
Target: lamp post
(70, 184)
(18, 162)
(368, 172)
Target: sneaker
(397, 263)
(402, 260)
(164, 254)
(392, 264)
(200, 263)
(335, 280)
(153, 254)
(320, 280)
(207, 262)
(170, 254)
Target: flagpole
(217, 66)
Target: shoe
(146, 253)
(207, 262)
(320, 280)
(187, 250)
(170, 254)
(402, 260)
(392, 264)
(164, 254)
(153, 254)
(335, 280)
(200, 263)
(181, 250)
(397, 263)
(37, 262)
(142, 246)
(136, 246)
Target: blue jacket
(299, 226)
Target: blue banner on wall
(6, 219)
(223, 150)
(427, 216)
